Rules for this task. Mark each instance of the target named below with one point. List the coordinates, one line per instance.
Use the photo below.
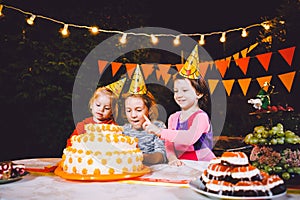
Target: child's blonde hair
(111, 95)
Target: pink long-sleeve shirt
(182, 142)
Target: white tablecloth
(36, 186)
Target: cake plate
(113, 177)
(195, 185)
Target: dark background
(38, 66)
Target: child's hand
(176, 162)
(151, 128)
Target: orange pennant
(212, 83)
(236, 56)
(222, 66)
(244, 52)
(287, 79)
(261, 81)
(130, 68)
(115, 66)
(179, 66)
(101, 65)
(162, 70)
(244, 84)
(287, 54)
(228, 84)
(243, 64)
(147, 69)
(166, 78)
(252, 47)
(203, 68)
(264, 59)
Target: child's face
(135, 108)
(101, 108)
(185, 94)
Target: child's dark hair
(201, 87)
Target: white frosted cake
(102, 150)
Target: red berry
(281, 108)
(274, 109)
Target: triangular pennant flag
(115, 66)
(244, 52)
(130, 68)
(166, 78)
(137, 85)
(162, 70)
(243, 64)
(116, 87)
(287, 54)
(228, 58)
(228, 84)
(261, 81)
(236, 55)
(222, 66)
(252, 47)
(244, 84)
(203, 68)
(287, 79)
(147, 69)
(190, 68)
(264, 59)
(212, 83)
(101, 65)
(179, 66)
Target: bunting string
(154, 37)
(287, 78)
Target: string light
(30, 20)
(123, 39)
(202, 41)
(266, 25)
(64, 31)
(1, 7)
(176, 41)
(244, 33)
(223, 37)
(154, 37)
(94, 30)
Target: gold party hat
(137, 85)
(116, 87)
(190, 68)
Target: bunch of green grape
(276, 135)
(284, 170)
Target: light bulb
(202, 41)
(154, 39)
(94, 30)
(266, 25)
(64, 31)
(176, 41)
(1, 7)
(123, 39)
(223, 37)
(244, 33)
(30, 20)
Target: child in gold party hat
(103, 107)
(189, 135)
(139, 102)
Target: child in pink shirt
(189, 135)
